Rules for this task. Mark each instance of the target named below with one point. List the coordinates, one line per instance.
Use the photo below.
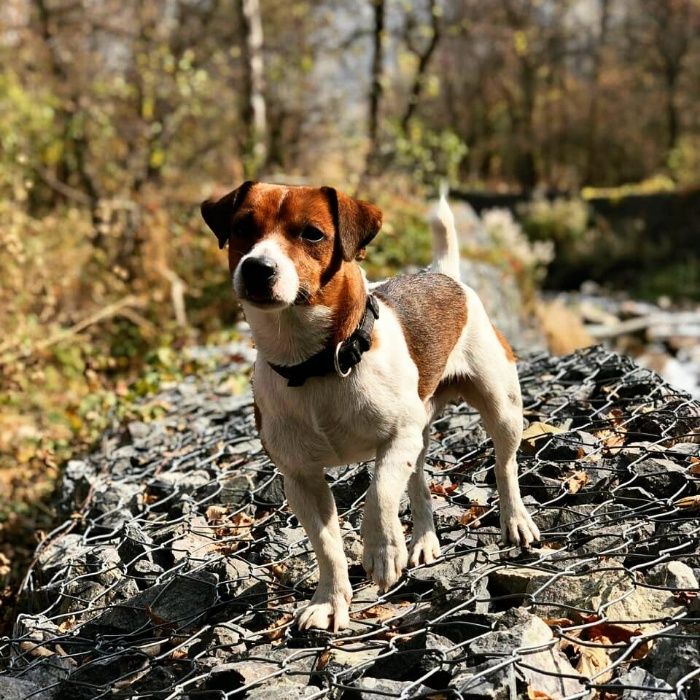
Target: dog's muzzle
(259, 275)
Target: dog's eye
(311, 233)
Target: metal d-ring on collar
(336, 362)
(347, 353)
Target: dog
(348, 371)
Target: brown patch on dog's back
(512, 357)
(432, 310)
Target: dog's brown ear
(218, 214)
(356, 222)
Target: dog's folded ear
(356, 222)
(218, 214)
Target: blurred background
(568, 130)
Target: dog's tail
(445, 242)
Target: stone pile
(178, 568)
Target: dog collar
(340, 358)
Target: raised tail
(445, 242)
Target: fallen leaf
(593, 661)
(557, 621)
(381, 611)
(473, 514)
(536, 431)
(276, 631)
(442, 490)
(690, 502)
(534, 694)
(576, 481)
(695, 465)
(215, 513)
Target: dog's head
(286, 243)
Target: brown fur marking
(432, 310)
(512, 357)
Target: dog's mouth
(264, 301)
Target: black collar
(340, 358)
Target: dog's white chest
(332, 421)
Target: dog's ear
(356, 222)
(218, 214)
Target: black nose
(258, 273)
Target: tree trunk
(257, 106)
(594, 105)
(423, 61)
(375, 89)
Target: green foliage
(559, 220)
(430, 154)
(684, 160)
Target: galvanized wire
(178, 567)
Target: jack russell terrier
(348, 371)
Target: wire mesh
(178, 568)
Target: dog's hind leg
(311, 500)
(424, 547)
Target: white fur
(445, 240)
(376, 412)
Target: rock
(272, 492)
(642, 679)
(134, 544)
(520, 631)
(48, 673)
(105, 564)
(196, 543)
(671, 658)
(182, 602)
(18, 689)
(372, 688)
(632, 606)
(487, 681)
(97, 676)
(515, 580)
(674, 575)
(661, 477)
(570, 446)
(283, 688)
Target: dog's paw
(425, 548)
(517, 527)
(327, 611)
(384, 562)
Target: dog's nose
(258, 273)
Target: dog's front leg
(312, 502)
(385, 555)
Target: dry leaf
(557, 621)
(276, 631)
(473, 514)
(690, 502)
(215, 513)
(537, 431)
(694, 465)
(534, 694)
(442, 490)
(643, 649)
(381, 611)
(576, 481)
(592, 661)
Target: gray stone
(372, 688)
(524, 635)
(48, 672)
(674, 575)
(105, 565)
(659, 476)
(18, 689)
(641, 678)
(486, 681)
(673, 657)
